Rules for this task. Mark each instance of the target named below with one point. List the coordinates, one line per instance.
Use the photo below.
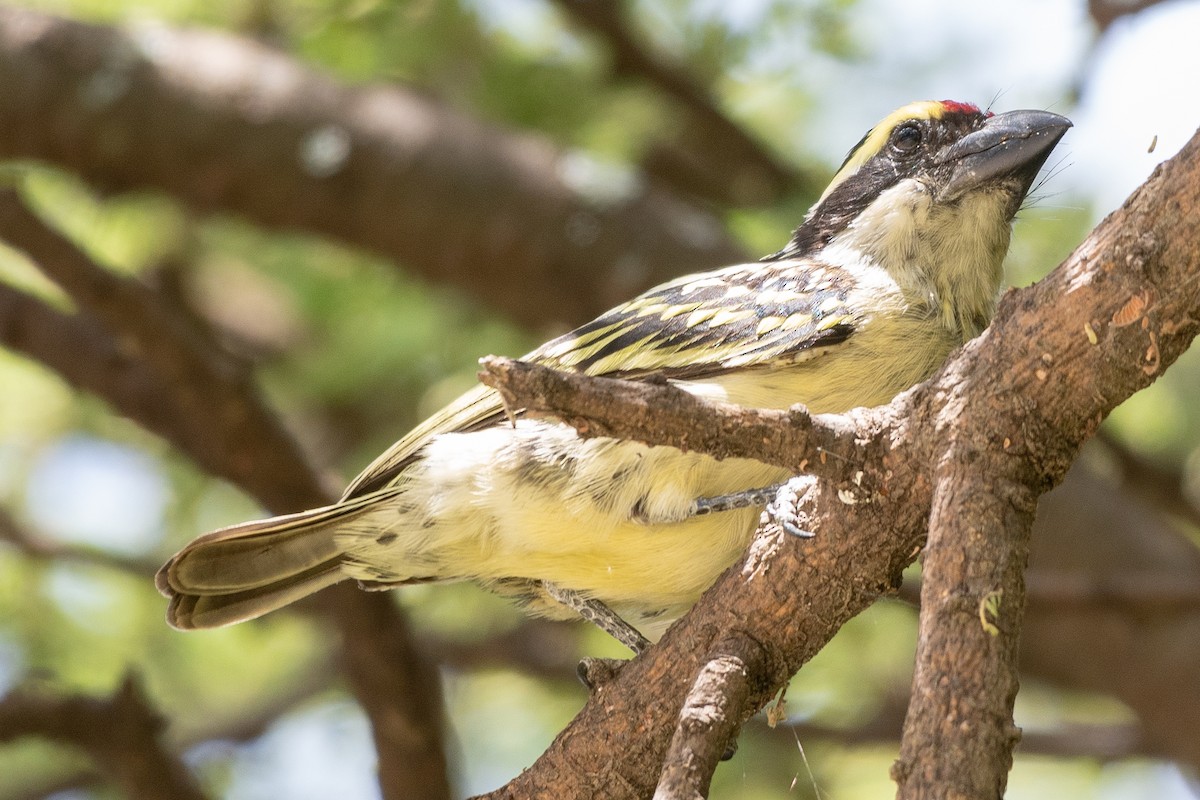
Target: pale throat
(946, 258)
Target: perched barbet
(898, 263)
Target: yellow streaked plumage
(767, 324)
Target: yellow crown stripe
(874, 141)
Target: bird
(897, 263)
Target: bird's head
(929, 194)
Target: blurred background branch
(382, 167)
(710, 155)
(121, 732)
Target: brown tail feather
(244, 571)
(195, 611)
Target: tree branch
(384, 168)
(215, 407)
(660, 413)
(709, 720)
(1125, 305)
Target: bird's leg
(783, 509)
(594, 672)
(779, 500)
(601, 616)
(728, 502)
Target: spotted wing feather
(696, 327)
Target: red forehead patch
(955, 107)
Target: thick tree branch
(139, 358)
(1015, 404)
(225, 124)
(1126, 304)
(984, 590)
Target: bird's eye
(906, 138)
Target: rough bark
(1124, 307)
(708, 723)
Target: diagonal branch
(214, 406)
(87, 356)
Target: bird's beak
(1011, 145)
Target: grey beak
(1013, 145)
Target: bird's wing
(700, 326)
(750, 316)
